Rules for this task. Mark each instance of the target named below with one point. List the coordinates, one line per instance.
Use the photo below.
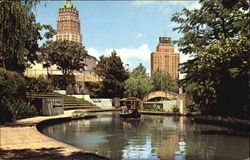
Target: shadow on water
(227, 132)
(47, 154)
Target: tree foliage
(217, 37)
(38, 85)
(113, 75)
(164, 82)
(203, 26)
(139, 83)
(68, 56)
(19, 34)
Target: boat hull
(134, 114)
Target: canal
(151, 137)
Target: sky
(132, 28)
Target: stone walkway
(23, 140)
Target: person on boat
(125, 109)
(129, 109)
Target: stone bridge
(168, 95)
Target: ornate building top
(68, 4)
(164, 41)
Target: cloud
(194, 5)
(134, 56)
(141, 3)
(159, 6)
(94, 52)
(137, 35)
(166, 6)
(131, 56)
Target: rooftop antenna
(165, 34)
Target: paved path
(23, 140)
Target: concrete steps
(69, 101)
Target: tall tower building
(164, 59)
(68, 23)
(68, 28)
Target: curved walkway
(23, 140)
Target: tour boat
(134, 104)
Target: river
(152, 138)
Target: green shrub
(13, 97)
(39, 85)
(6, 111)
(192, 107)
(12, 85)
(61, 82)
(175, 109)
(23, 110)
(12, 110)
(158, 108)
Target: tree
(164, 82)
(19, 34)
(68, 57)
(219, 70)
(203, 26)
(139, 83)
(220, 73)
(113, 75)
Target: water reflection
(151, 137)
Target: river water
(152, 138)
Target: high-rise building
(165, 59)
(68, 23)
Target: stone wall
(52, 106)
(103, 103)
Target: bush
(12, 110)
(193, 108)
(12, 85)
(23, 110)
(175, 109)
(61, 82)
(158, 108)
(39, 85)
(13, 97)
(6, 111)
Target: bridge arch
(168, 95)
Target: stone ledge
(23, 140)
(160, 113)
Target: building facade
(68, 23)
(165, 59)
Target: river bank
(22, 140)
(238, 126)
(235, 123)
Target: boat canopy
(131, 99)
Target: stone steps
(69, 101)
